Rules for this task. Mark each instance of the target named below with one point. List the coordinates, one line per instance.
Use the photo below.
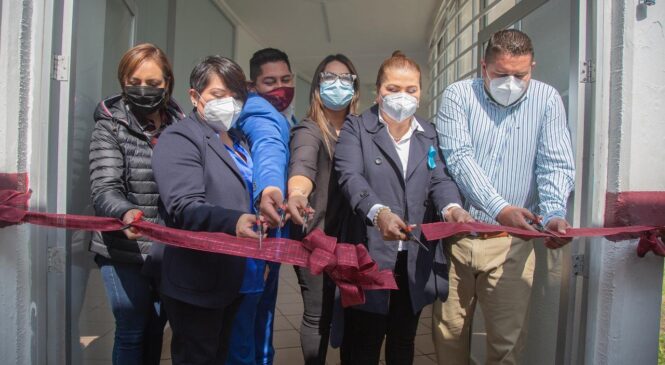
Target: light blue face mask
(335, 95)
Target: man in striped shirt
(506, 143)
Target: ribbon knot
(14, 205)
(649, 242)
(349, 266)
(322, 251)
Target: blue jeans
(139, 322)
(265, 317)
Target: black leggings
(364, 331)
(318, 296)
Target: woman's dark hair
(316, 106)
(133, 58)
(227, 70)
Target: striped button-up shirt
(517, 155)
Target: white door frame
(55, 189)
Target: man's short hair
(263, 56)
(509, 41)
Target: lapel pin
(431, 158)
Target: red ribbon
(650, 236)
(349, 266)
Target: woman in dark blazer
(393, 176)
(203, 174)
(313, 185)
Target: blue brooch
(431, 158)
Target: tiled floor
(96, 327)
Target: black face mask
(145, 100)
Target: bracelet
(378, 212)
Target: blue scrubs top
(254, 268)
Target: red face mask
(280, 98)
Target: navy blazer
(371, 173)
(200, 189)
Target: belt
(489, 235)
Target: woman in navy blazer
(392, 174)
(201, 168)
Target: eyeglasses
(345, 79)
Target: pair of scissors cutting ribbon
(259, 228)
(137, 218)
(282, 215)
(305, 219)
(411, 237)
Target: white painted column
(624, 292)
(15, 41)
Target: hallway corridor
(96, 327)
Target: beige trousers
(498, 274)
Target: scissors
(137, 218)
(259, 228)
(538, 224)
(411, 237)
(282, 215)
(305, 219)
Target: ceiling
(367, 31)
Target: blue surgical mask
(335, 95)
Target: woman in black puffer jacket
(127, 128)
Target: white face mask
(399, 106)
(220, 114)
(506, 90)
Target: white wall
(201, 29)
(15, 337)
(153, 24)
(624, 290)
(245, 46)
(24, 84)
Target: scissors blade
(259, 229)
(412, 237)
(282, 215)
(305, 219)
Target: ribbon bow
(349, 266)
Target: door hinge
(588, 72)
(578, 265)
(60, 70)
(56, 260)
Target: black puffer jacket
(121, 176)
